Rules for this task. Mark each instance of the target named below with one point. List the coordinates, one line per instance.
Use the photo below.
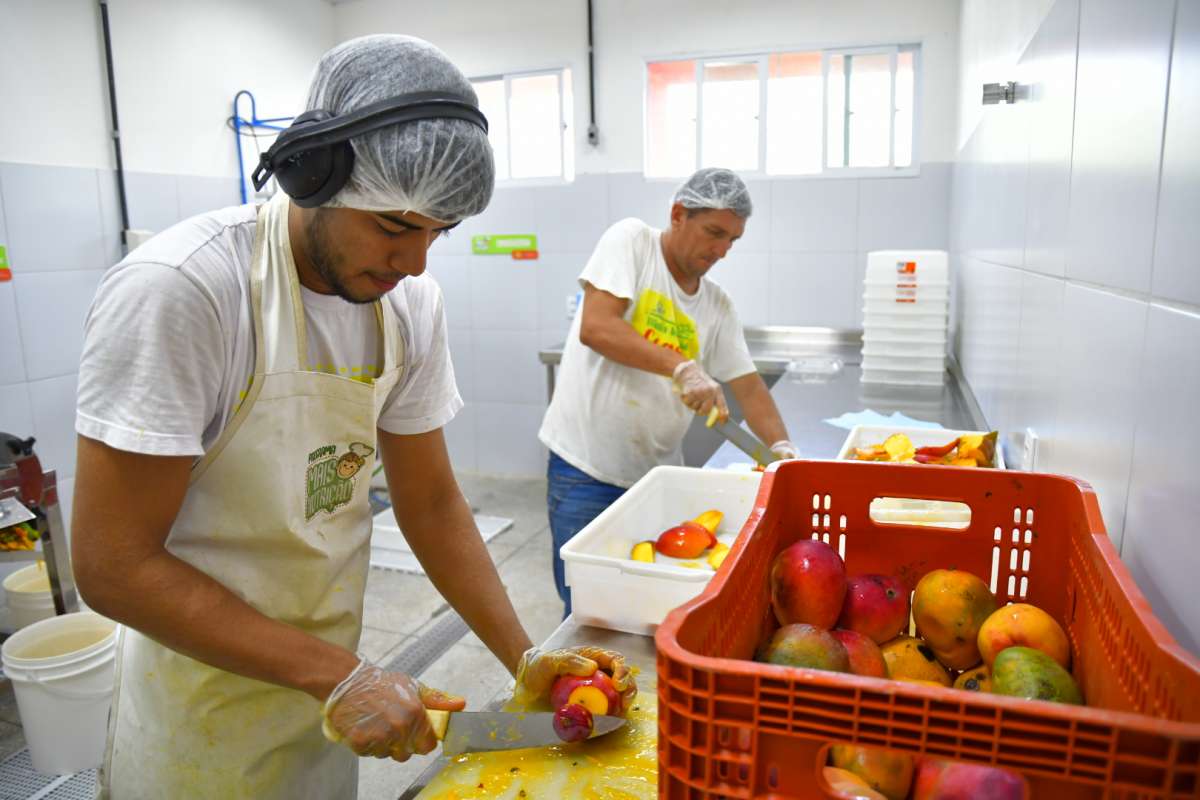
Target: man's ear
(678, 215)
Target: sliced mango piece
(710, 519)
(438, 720)
(899, 447)
(643, 551)
(717, 557)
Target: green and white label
(502, 244)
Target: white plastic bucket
(27, 595)
(62, 674)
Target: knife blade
(745, 441)
(472, 731)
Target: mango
(808, 584)
(717, 557)
(1025, 672)
(910, 658)
(1027, 626)
(887, 772)
(643, 551)
(937, 779)
(865, 658)
(849, 785)
(949, 608)
(875, 605)
(804, 645)
(974, 680)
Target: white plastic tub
(62, 672)
(905, 306)
(903, 377)
(881, 346)
(876, 298)
(608, 588)
(897, 315)
(873, 360)
(27, 595)
(934, 334)
(908, 265)
(867, 435)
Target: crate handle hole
(773, 776)
(941, 514)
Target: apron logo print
(329, 479)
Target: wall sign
(502, 244)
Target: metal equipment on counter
(29, 495)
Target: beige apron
(277, 511)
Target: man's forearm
(616, 340)
(184, 609)
(762, 415)
(449, 547)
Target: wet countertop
(639, 652)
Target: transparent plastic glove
(698, 391)
(382, 714)
(538, 670)
(785, 449)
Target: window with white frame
(845, 111)
(529, 123)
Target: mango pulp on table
(622, 765)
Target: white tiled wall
(1074, 222)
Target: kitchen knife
(471, 731)
(744, 441)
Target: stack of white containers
(907, 297)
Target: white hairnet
(715, 188)
(439, 168)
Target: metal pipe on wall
(116, 127)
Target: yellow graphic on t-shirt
(656, 319)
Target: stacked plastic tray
(906, 297)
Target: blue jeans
(574, 499)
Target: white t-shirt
(615, 422)
(168, 349)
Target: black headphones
(313, 158)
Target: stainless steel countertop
(639, 652)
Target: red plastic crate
(731, 727)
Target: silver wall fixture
(994, 93)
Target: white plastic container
(874, 346)
(908, 265)
(901, 296)
(27, 595)
(608, 588)
(898, 316)
(935, 335)
(903, 377)
(872, 361)
(62, 674)
(867, 435)
(925, 306)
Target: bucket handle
(61, 691)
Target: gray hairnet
(715, 188)
(439, 168)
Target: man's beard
(324, 260)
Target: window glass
(671, 118)
(729, 109)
